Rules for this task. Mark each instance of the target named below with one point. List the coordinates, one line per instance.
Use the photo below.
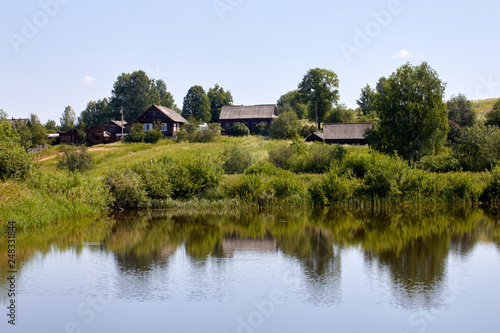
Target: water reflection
(156, 252)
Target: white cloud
(88, 79)
(403, 54)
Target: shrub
(383, 178)
(262, 129)
(136, 133)
(478, 147)
(15, 162)
(491, 192)
(333, 188)
(251, 187)
(157, 182)
(439, 163)
(265, 168)
(307, 130)
(286, 126)
(152, 136)
(128, 190)
(236, 159)
(285, 184)
(281, 156)
(239, 129)
(356, 165)
(319, 157)
(461, 187)
(73, 159)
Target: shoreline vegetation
(230, 175)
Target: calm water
(167, 272)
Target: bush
(383, 178)
(307, 130)
(239, 129)
(356, 165)
(318, 158)
(439, 163)
(460, 187)
(262, 129)
(74, 160)
(15, 162)
(286, 126)
(491, 193)
(265, 168)
(152, 136)
(281, 156)
(157, 182)
(285, 184)
(128, 190)
(136, 133)
(478, 148)
(333, 188)
(236, 159)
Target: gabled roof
(169, 113)
(352, 131)
(117, 123)
(248, 112)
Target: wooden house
(94, 135)
(248, 115)
(171, 122)
(352, 133)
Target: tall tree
(460, 111)
(294, 99)
(366, 100)
(51, 126)
(319, 89)
(136, 92)
(38, 132)
(218, 98)
(340, 114)
(68, 119)
(96, 113)
(196, 104)
(413, 117)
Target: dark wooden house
(94, 135)
(171, 122)
(352, 133)
(248, 115)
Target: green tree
(96, 113)
(294, 99)
(493, 117)
(197, 104)
(51, 126)
(366, 100)
(3, 115)
(7, 132)
(136, 92)
(38, 132)
(286, 126)
(340, 114)
(24, 132)
(136, 134)
(319, 89)
(460, 111)
(68, 119)
(413, 117)
(478, 147)
(218, 98)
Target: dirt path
(48, 157)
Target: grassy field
(483, 106)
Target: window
(147, 127)
(164, 127)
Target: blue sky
(56, 53)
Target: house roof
(169, 113)
(354, 131)
(248, 112)
(118, 122)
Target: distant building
(171, 122)
(248, 115)
(352, 133)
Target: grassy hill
(482, 106)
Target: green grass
(483, 105)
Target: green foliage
(15, 162)
(136, 134)
(128, 190)
(156, 181)
(339, 114)
(152, 136)
(197, 104)
(383, 178)
(51, 126)
(286, 126)
(38, 132)
(491, 192)
(460, 111)
(218, 98)
(262, 167)
(281, 156)
(439, 163)
(136, 92)
(236, 159)
(493, 117)
(460, 187)
(413, 117)
(68, 119)
(73, 159)
(333, 188)
(7, 133)
(307, 130)
(478, 148)
(366, 100)
(96, 113)
(285, 184)
(262, 129)
(319, 89)
(24, 133)
(294, 101)
(239, 129)
(192, 132)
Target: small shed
(170, 121)
(250, 115)
(351, 133)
